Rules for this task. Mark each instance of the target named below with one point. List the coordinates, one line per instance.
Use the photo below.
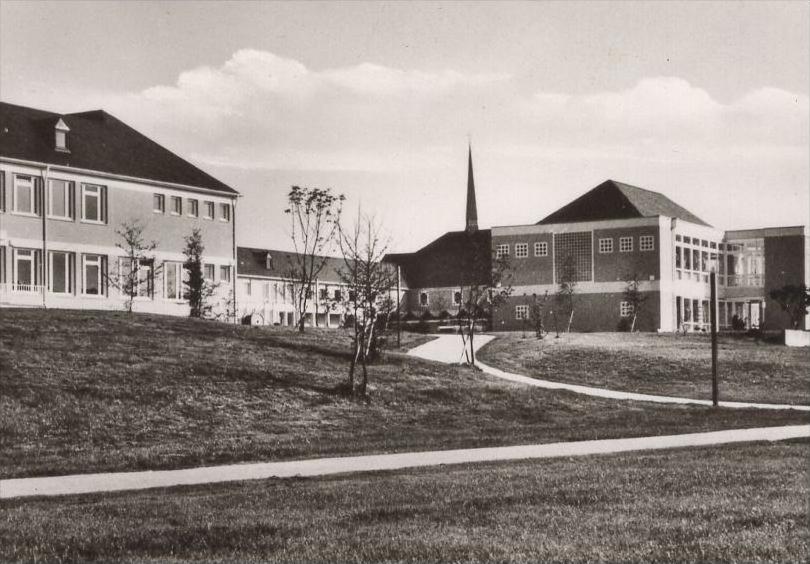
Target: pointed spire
(472, 210)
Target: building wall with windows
(59, 223)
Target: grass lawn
(104, 391)
(731, 503)
(675, 365)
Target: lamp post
(713, 309)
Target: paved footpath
(89, 483)
(449, 349)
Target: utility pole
(399, 318)
(713, 309)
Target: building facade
(68, 185)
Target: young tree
(134, 273)
(564, 298)
(314, 222)
(794, 300)
(536, 314)
(197, 290)
(634, 297)
(369, 282)
(485, 286)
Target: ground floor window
(61, 266)
(625, 309)
(456, 298)
(174, 276)
(423, 299)
(93, 269)
(25, 270)
(208, 272)
(521, 312)
(225, 274)
(142, 281)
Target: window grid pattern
(521, 250)
(625, 244)
(541, 249)
(521, 312)
(646, 243)
(625, 309)
(572, 256)
(502, 251)
(606, 245)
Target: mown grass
(743, 503)
(677, 365)
(96, 391)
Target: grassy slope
(92, 391)
(732, 503)
(659, 364)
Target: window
(225, 274)
(606, 246)
(625, 244)
(521, 250)
(25, 270)
(209, 210)
(423, 299)
(456, 298)
(174, 280)
(521, 312)
(60, 272)
(60, 199)
(338, 295)
(625, 309)
(541, 249)
(573, 260)
(246, 287)
(61, 140)
(176, 205)
(646, 243)
(324, 294)
(159, 203)
(25, 197)
(502, 251)
(225, 212)
(94, 205)
(92, 272)
(193, 208)
(267, 290)
(352, 295)
(208, 272)
(144, 277)
(2, 191)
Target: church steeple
(472, 210)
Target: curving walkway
(91, 483)
(449, 349)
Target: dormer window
(268, 261)
(61, 130)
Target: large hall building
(612, 234)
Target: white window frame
(32, 192)
(93, 260)
(460, 295)
(646, 243)
(161, 200)
(605, 245)
(68, 208)
(68, 273)
(193, 207)
(226, 270)
(247, 286)
(175, 205)
(87, 190)
(213, 268)
(625, 309)
(175, 270)
(225, 212)
(625, 244)
(521, 250)
(521, 312)
(426, 301)
(502, 250)
(210, 210)
(541, 249)
(24, 255)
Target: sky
(705, 102)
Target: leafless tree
(634, 297)
(134, 274)
(485, 285)
(314, 223)
(567, 281)
(369, 282)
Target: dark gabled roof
(97, 141)
(253, 262)
(616, 200)
(449, 261)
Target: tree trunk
(472, 348)
(570, 319)
(633, 323)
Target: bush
(409, 316)
(624, 324)
(462, 313)
(422, 327)
(426, 315)
(444, 314)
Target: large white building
(69, 181)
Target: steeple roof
(472, 209)
(617, 200)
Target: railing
(20, 288)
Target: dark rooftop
(99, 142)
(253, 262)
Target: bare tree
(134, 274)
(485, 286)
(634, 297)
(567, 280)
(537, 312)
(369, 282)
(314, 220)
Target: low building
(68, 182)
